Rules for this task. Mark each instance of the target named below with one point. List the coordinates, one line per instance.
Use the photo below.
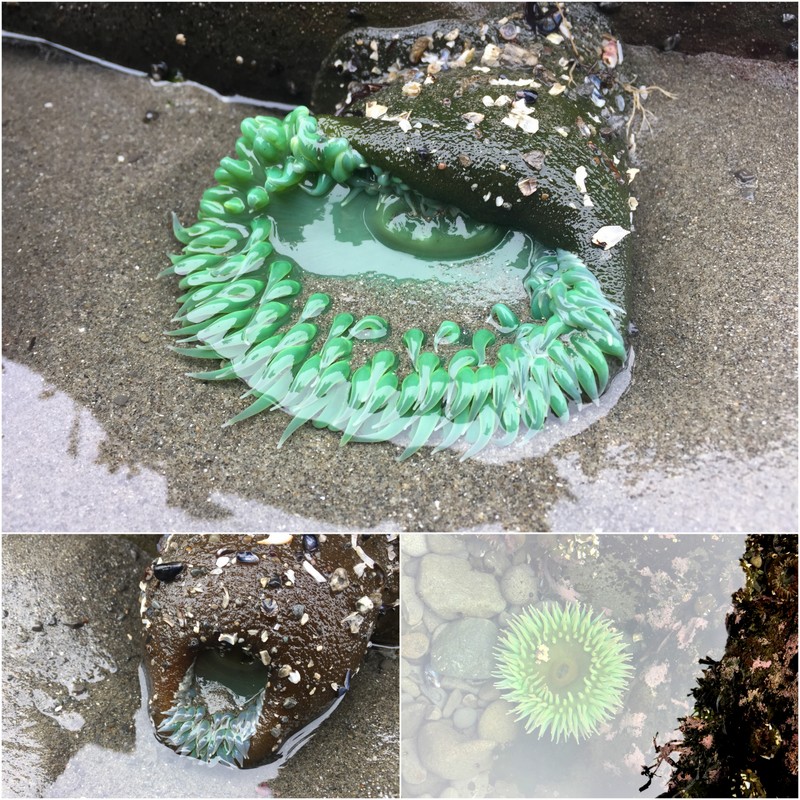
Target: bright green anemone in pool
(248, 270)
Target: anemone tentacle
(239, 306)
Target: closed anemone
(564, 669)
(254, 264)
(216, 708)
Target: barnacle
(251, 306)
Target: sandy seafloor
(74, 719)
(102, 430)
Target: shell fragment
(608, 236)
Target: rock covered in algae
(526, 134)
(249, 639)
(741, 737)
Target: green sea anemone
(445, 261)
(238, 298)
(564, 668)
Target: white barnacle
(339, 580)
(230, 638)
(580, 179)
(364, 604)
(353, 621)
(374, 110)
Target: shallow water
(336, 242)
(667, 595)
(151, 769)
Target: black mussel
(543, 17)
(528, 95)
(346, 686)
(167, 573)
(246, 557)
(269, 606)
(310, 542)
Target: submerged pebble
(465, 649)
(452, 588)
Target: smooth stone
(413, 607)
(496, 561)
(488, 692)
(450, 754)
(431, 620)
(433, 713)
(472, 786)
(414, 645)
(497, 723)
(464, 649)
(464, 718)
(453, 702)
(412, 715)
(410, 766)
(519, 585)
(445, 544)
(409, 686)
(452, 588)
(414, 545)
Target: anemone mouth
(499, 387)
(414, 224)
(216, 708)
(564, 668)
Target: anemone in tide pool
(239, 297)
(564, 668)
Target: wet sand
(102, 430)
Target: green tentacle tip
(249, 307)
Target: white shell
(580, 179)
(276, 538)
(609, 235)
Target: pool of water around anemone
(339, 239)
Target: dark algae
(741, 738)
